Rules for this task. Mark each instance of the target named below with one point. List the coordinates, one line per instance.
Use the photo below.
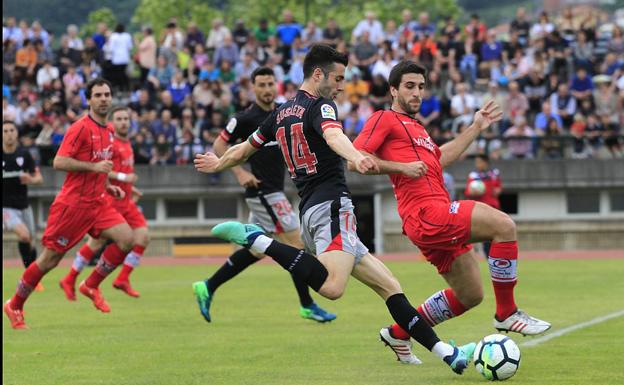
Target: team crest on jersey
(231, 125)
(20, 161)
(454, 208)
(328, 112)
(62, 241)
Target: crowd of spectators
(559, 80)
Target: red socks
(125, 273)
(27, 284)
(112, 257)
(502, 261)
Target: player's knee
(142, 240)
(332, 291)
(125, 242)
(472, 299)
(506, 228)
(24, 237)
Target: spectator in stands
(194, 36)
(162, 152)
(371, 25)
(551, 142)
(217, 35)
(463, 106)
(332, 34)
(66, 56)
(311, 34)
(245, 67)
(240, 33)
(564, 104)
(187, 147)
(170, 34)
(606, 102)
(179, 89)
(120, 45)
(424, 50)
(424, 27)
(227, 51)
(37, 32)
(263, 32)
(408, 25)
(167, 103)
(165, 126)
(100, 35)
(542, 28)
(542, 120)
(516, 104)
(10, 31)
(25, 63)
(73, 81)
(429, 113)
(146, 53)
(286, 33)
(159, 77)
(364, 55)
(582, 86)
(46, 75)
(491, 52)
(521, 26)
(475, 30)
(520, 142)
(75, 41)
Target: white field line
(572, 328)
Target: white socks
(261, 243)
(442, 349)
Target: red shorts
(130, 212)
(441, 231)
(67, 225)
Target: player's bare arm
(34, 178)
(412, 169)
(65, 163)
(244, 177)
(339, 142)
(115, 191)
(489, 114)
(234, 156)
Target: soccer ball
(497, 357)
(476, 188)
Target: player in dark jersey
(80, 207)
(443, 230)
(18, 171)
(313, 146)
(264, 194)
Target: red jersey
(491, 179)
(86, 141)
(400, 138)
(123, 161)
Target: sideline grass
(257, 336)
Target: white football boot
(402, 348)
(521, 322)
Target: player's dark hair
(483, 157)
(97, 82)
(402, 68)
(116, 109)
(324, 57)
(9, 122)
(261, 71)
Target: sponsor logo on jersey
(20, 161)
(231, 126)
(62, 241)
(424, 142)
(328, 112)
(454, 207)
(105, 154)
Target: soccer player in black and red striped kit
(264, 194)
(313, 146)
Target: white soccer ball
(497, 357)
(476, 188)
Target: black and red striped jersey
(297, 126)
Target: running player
(18, 171)
(443, 230)
(123, 176)
(80, 207)
(313, 145)
(264, 194)
(493, 187)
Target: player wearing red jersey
(124, 177)
(81, 206)
(443, 230)
(493, 187)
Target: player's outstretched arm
(451, 151)
(412, 169)
(244, 177)
(234, 156)
(342, 146)
(65, 163)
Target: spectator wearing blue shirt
(542, 118)
(99, 37)
(429, 113)
(228, 51)
(165, 126)
(491, 50)
(424, 27)
(179, 88)
(582, 85)
(286, 34)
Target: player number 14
(301, 156)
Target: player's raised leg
(113, 256)
(488, 223)
(82, 259)
(132, 260)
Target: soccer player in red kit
(493, 186)
(123, 176)
(443, 230)
(81, 206)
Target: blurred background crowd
(558, 77)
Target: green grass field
(257, 337)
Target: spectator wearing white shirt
(311, 34)
(75, 41)
(46, 75)
(172, 32)
(372, 26)
(564, 104)
(217, 35)
(120, 45)
(542, 28)
(245, 67)
(384, 65)
(463, 106)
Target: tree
(156, 13)
(102, 15)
